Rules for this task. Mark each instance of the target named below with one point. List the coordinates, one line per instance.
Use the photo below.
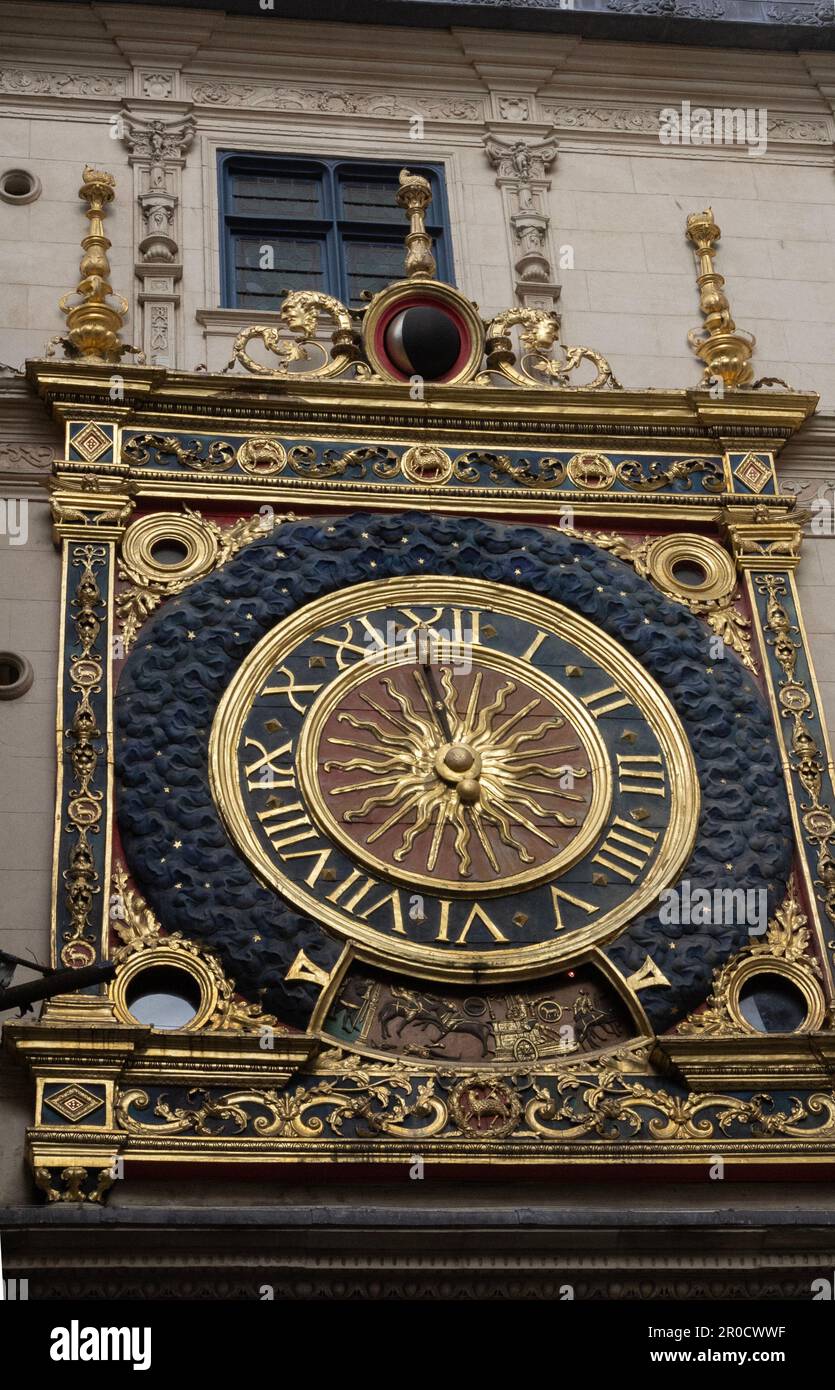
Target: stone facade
(587, 215)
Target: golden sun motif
(445, 764)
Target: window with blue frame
(326, 224)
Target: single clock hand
(455, 763)
(436, 704)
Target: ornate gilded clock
(453, 779)
(460, 751)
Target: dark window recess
(330, 225)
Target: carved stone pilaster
(157, 152)
(522, 174)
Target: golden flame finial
(414, 195)
(94, 325)
(725, 350)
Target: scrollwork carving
(301, 312)
(538, 339)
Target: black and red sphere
(423, 340)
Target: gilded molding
(761, 540)
(90, 505)
(351, 1102)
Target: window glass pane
(371, 265)
(264, 266)
(277, 195)
(369, 200)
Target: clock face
(455, 776)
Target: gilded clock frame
(525, 962)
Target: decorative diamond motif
(74, 1102)
(753, 472)
(91, 442)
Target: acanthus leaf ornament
(786, 951)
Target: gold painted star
(178, 844)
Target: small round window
(163, 997)
(689, 573)
(772, 1004)
(169, 552)
(16, 675)
(19, 186)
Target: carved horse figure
(429, 1011)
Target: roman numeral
(373, 641)
(362, 886)
(530, 652)
(643, 775)
(601, 702)
(303, 968)
(291, 689)
(556, 894)
(277, 835)
(271, 775)
(476, 914)
(626, 844)
(462, 624)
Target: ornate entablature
(440, 750)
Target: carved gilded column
(766, 547)
(522, 175)
(157, 151)
(90, 514)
